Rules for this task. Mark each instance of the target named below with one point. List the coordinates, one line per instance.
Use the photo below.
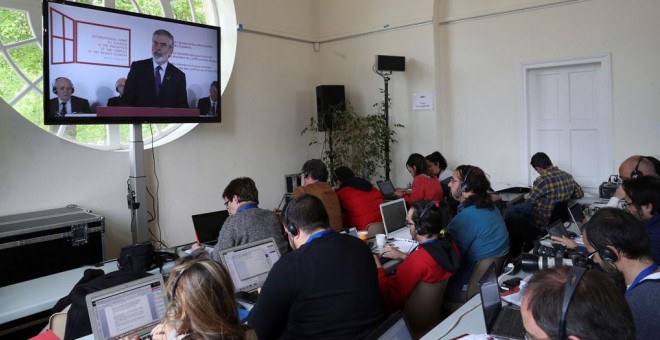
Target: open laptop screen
(208, 225)
(490, 296)
(577, 214)
(129, 309)
(394, 215)
(386, 187)
(249, 264)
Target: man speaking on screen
(155, 82)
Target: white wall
(479, 73)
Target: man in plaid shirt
(552, 186)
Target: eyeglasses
(452, 180)
(590, 256)
(625, 205)
(226, 203)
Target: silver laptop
(394, 219)
(500, 321)
(127, 310)
(577, 215)
(249, 265)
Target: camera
(536, 262)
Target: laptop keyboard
(509, 323)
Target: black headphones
(465, 187)
(572, 282)
(420, 228)
(55, 89)
(636, 173)
(176, 281)
(605, 253)
(290, 227)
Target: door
(568, 110)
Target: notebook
(557, 229)
(395, 327)
(577, 215)
(249, 265)
(129, 309)
(394, 219)
(387, 189)
(500, 321)
(208, 225)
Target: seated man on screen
(208, 106)
(246, 222)
(155, 82)
(327, 287)
(596, 310)
(66, 103)
(620, 246)
(119, 87)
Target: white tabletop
(469, 319)
(37, 295)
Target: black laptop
(208, 225)
(387, 189)
(501, 321)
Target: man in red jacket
(360, 201)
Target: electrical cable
(458, 320)
(156, 204)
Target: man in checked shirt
(551, 187)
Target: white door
(568, 110)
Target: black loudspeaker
(328, 97)
(390, 63)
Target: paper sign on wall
(422, 101)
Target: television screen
(105, 66)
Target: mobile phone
(510, 283)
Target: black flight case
(45, 242)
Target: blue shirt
(479, 233)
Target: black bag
(607, 189)
(136, 258)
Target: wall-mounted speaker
(390, 63)
(328, 98)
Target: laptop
(249, 265)
(501, 321)
(208, 225)
(394, 219)
(127, 310)
(387, 189)
(577, 215)
(395, 327)
(557, 229)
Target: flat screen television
(167, 68)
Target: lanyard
(247, 206)
(644, 273)
(318, 235)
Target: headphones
(465, 186)
(420, 228)
(290, 227)
(636, 173)
(605, 253)
(176, 281)
(572, 282)
(74, 90)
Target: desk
(37, 295)
(467, 319)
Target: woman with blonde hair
(202, 304)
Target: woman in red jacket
(424, 187)
(360, 201)
(435, 259)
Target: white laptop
(394, 219)
(127, 310)
(577, 215)
(249, 265)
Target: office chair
(423, 309)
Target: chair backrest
(480, 269)
(375, 228)
(423, 309)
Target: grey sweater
(247, 226)
(643, 302)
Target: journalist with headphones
(435, 259)
(66, 103)
(620, 245)
(478, 229)
(326, 288)
(575, 303)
